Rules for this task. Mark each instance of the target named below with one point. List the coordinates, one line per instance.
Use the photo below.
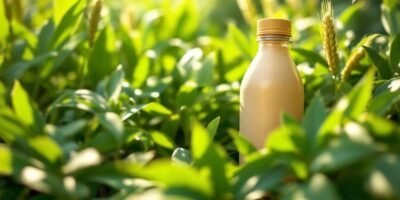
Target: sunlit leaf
(380, 62)
(213, 126)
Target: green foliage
(150, 110)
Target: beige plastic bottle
(271, 84)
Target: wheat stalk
(329, 36)
(249, 11)
(355, 59)
(94, 20)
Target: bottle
(271, 85)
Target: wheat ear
(329, 36)
(249, 11)
(94, 20)
(355, 59)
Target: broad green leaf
(318, 187)
(200, 141)
(204, 74)
(380, 62)
(311, 56)
(213, 126)
(102, 142)
(242, 144)
(68, 130)
(395, 53)
(162, 139)
(6, 167)
(60, 8)
(24, 108)
(142, 70)
(156, 108)
(11, 126)
(381, 128)
(181, 155)
(383, 102)
(240, 40)
(188, 63)
(314, 117)
(359, 96)
(289, 138)
(341, 153)
(172, 176)
(4, 30)
(114, 84)
(20, 67)
(101, 60)
(12, 162)
(67, 24)
(390, 17)
(187, 95)
(46, 148)
(263, 173)
(208, 155)
(151, 108)
(113, 124)
(81, 99)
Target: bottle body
(270, 86)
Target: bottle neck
(276, 42)
(273, 41)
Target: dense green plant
(114, 99)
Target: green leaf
(200, 140)
(101, 60)
(287, 138)
(380, 62)
(187, 95)
(261, 174)
(20, 67)
(67, 25)
(114, 84)
(359, 96)
(204, 74)
(113, 124)
(142, 70)
(151, 108)
(162, 139)
(382, 128)
(156, 108)
(80, 99)
(319, 187)
(395, 53)
(313, 119)
(11, 127)
(12, 162)
(60, 8)
(311, 56)
(181, 155)
(102, 142)
(390, 17)
(213, 126)
(4, 30)
(46, 148)
(242, 144)
(341, 153)
(383, 102)
(172, 176)
(188, 62)
(68, 130)
(240, 40)
(24, 108)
